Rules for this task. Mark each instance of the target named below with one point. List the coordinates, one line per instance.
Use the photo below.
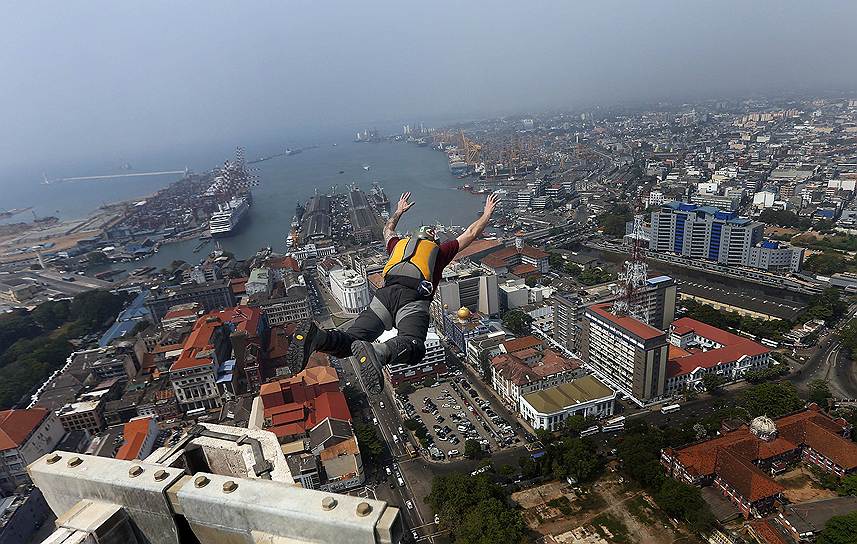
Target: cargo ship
(225, 221)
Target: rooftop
(17, 425)
(733, 348)
(628, 323)
(557, 399)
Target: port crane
(472, 150)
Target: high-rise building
(657, 297)
(627, 353)
(708, 233)
(465, 285)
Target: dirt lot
(607, 512)
(801, 486)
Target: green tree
(472, 449)
(713, 383)
(518, 322)
(556, 261)
(848, 336)
(97, 307)
(475, 510)
(827, 263)
(574, 423)
(773, 399)
(826, 306)
(96, 258)
(839, 530)
(684, 501)
(819, 392)
(848, 485)
(613, 221)
(412, 424)
(17, 326)
(405, 389)
(576, 458)
(531, 281)
(51, 314)
(371, 445)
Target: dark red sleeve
(447, 252)
(391, 243)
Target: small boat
(342, 171)
(366, 167)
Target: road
(827, 362)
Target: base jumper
(411, 276)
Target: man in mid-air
(411, 276)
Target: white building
(350, 289)
(548, 408)
(656, 198)
(25, 435)
(699, 349)
(261, 281)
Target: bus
(615, 424)
(670, 408)
(592, 430)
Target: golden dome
(463, 313)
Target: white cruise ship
(225, 221)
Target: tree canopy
(773, 399)
(839, 530)
(518, 322)
(475, 510)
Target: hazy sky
(83, 78)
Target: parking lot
(452, 415)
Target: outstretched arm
(476, 228)
(401, 208)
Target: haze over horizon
(104, 78)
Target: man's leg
(368, 326)
(412, 322)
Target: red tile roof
(297, 404)
(477, 246)
(509, 256)
(630, 324)
(733, 348)
(197, 343)
(175, 314)
(17, 425)
(243, 318)
(523, 269)
(518, 372)
(288, 262)
(135, 432)
(745, 477)
(808, 427)
(766, 529)
(517, 344)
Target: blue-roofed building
(707, 233)
(226, 377)
(133, 314)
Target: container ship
(225, 221)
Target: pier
(48, 181)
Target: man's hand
(475, 230)
(490, 204)
(403, 204)
(401, 207)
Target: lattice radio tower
(632, 279)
